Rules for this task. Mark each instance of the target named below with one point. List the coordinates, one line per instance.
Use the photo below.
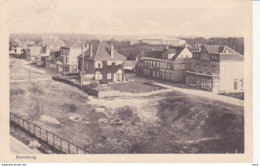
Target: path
(205, 94)
(31, 80)
(18, 147)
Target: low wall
(88, 89)
(111, 93)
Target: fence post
(60, 144)
(77, 149)
(47, 136)
(69, 147)
(53, 139)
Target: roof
(52, 43)
(226, 53)
(101, 52)
(35, 50)
(75, 45)
(172, 50)
(130, 63)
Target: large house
(102, 63)
(68, 63)
(216, 68)
(169, 64)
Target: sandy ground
(172, 122)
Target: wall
(228, 72)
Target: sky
(176, 18)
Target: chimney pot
(90, 50)
(112, 50)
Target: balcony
(202, 74)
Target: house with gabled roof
(68, 63)
(33, 52)
(216, 68)
(101, 62)
(169, 64)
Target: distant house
(169, 64)
(53, 60)
(42, 57)
(17, 52)
(102, 63)
(68, 63)
(33, 52)
(52, 43)
(17, 49)
(216, 68)
(50, 56)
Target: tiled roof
(213, 48)
(53, 44)
(225, 52)
(101, 52)
(155, 54)
(172, 50)
(35, 50)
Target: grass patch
(135, 87)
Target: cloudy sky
(186, 18)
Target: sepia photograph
(128, 77)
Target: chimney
(90, 50)
(82, 53)
(112, 50)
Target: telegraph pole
(82, 67)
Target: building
(170, 42)
(68, 63)
(216, 68)
(53, 43)
(102, 63)
(169, 64)
(53, 60)
(33, 52)
(43, 56)
(17, 52)
(129, 65)
(52, 46)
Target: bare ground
(166, 123)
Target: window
(204, 69)
(99, 65)
(109, 76)
(235, 84)
(213, 70)
(182, 66)
(197, 68)
(158, 64)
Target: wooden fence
(54, 141)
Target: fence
(48, 137)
